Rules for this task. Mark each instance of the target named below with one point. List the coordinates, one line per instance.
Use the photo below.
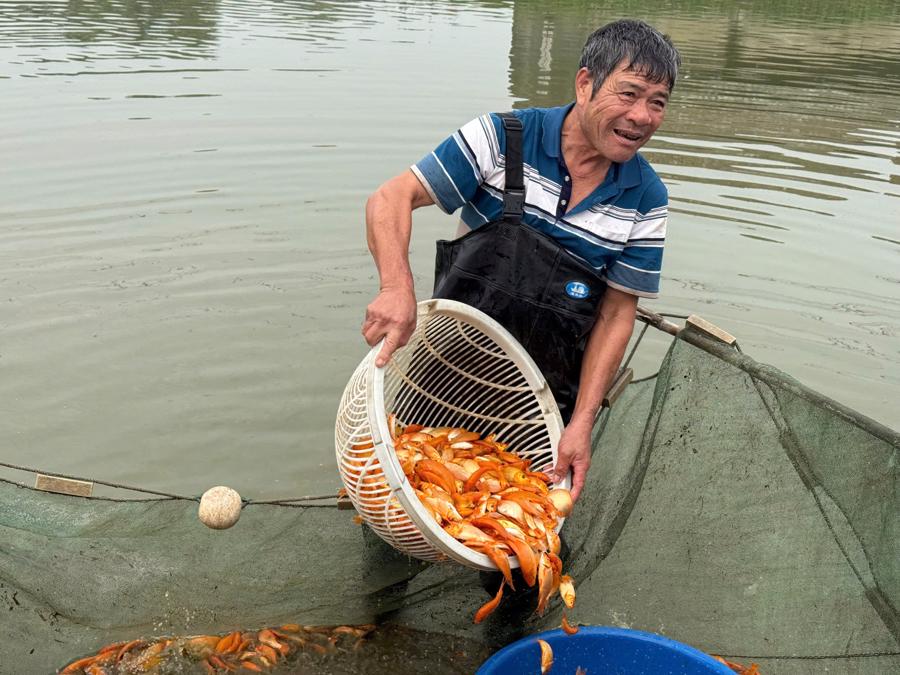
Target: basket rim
(384, 447)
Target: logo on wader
(576, 289)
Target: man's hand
(392, 316)
(605, 348)
(574, 452)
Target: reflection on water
(779, 151)
(148, 29)
(183, 263)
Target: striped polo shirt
(619, 229)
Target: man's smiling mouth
(628, 135)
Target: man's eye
(627, 94)
(659, 105)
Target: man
(590, 202)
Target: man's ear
(584, 86)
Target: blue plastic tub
(603, 651)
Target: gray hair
(643, 48)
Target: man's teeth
(629, 136)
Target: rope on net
(658, 321)
(293, 501)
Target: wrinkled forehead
(645, 72)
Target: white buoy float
(220, 507)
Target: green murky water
(183, 269)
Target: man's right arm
(392, 314)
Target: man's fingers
(372, 332)
(394, 334)
(577, 482)
(387, 349)
(580, 468)
(391, 316)
(561, 470)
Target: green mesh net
(727, 506)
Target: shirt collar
(628, 174)
(552, 129)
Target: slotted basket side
(363, 475)
(454, 372)
(460, 368)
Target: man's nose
(639, 113)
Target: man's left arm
(634, 274)
(602, 356)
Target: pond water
(183, 270)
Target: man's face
(623, 115)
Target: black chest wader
(543, 295)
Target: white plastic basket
(460, 368)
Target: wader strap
(514, 192)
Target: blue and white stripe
(619, 229)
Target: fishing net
(727, 506)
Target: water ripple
(182, 247)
